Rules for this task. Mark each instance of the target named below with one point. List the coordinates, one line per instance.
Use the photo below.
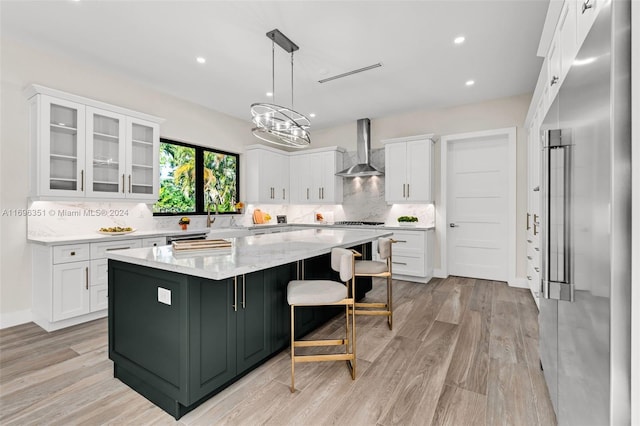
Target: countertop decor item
(184, 221)
(116, 230)
(239, 207)
(407, 221)
(277, 124)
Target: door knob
(453, 225)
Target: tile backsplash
(363, 200)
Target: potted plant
(184, 221)
(407, 221)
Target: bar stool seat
(370, 267)
(315, 292)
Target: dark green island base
(213, 332)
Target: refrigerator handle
(556, 277)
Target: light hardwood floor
(462, 352)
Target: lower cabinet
(70, 282)
(70, 287)
(413, 254)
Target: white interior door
(477, 207)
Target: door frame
(441, 210)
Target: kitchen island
(183, 326)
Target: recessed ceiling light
(459, 40)
(269, 94)
(201, 60)
(470, 83)
(312, 115)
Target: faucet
(209, 219)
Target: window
(194, 179)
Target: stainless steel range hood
(363, 167)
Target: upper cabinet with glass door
(85, 148)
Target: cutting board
(200, 244)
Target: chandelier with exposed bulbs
(277, 124)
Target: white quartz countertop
(248, 254)
(97, 237)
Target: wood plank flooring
(462, 352)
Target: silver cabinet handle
(283, 194)
(116, 248)
(399, 263)
(235, 294)
(529, 277)
(243, 291)
(123, 183)
(535, 228)
(323, 192)
(408, 190)
(86, 278)
(401, 241)
(453, 225)
(529, 257)
(130, 188)
(82, 180)
(530, 241)
(536, 248)
(73, 253)
(307, 193)
(537, 269)
(554, 80)
(586, 5)
(404, 190)
(528, 217)
(320, 193)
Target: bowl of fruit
(116, 230)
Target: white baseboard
(15, 318)
(439, 273)
(519, 283)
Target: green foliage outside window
(179, 181)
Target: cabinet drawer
(70, 253)
(100, 250)
(154, 242)
(408, 265)
(409, 241)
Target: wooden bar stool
(325, 293)
(377, 269)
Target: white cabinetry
(563, 48)
(85, 148)
(413, 255)
(70, 282)
(313, 176)
(154, 242)
(408, 169)
(267, 175)
(586, 12)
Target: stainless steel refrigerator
(585, 308)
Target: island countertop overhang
(249, 254)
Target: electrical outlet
(164, 296)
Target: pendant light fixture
(278, 124)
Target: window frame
(199, 184)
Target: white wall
(21, 66)
(495, 114)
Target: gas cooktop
(358, 223)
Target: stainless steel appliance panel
(586, 282)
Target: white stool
(325, 293)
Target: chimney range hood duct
(363, 167)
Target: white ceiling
(156, 43)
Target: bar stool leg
(390, 302)
(293, 363)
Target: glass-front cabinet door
(142, 159)
(105, 154)
(62, 153)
